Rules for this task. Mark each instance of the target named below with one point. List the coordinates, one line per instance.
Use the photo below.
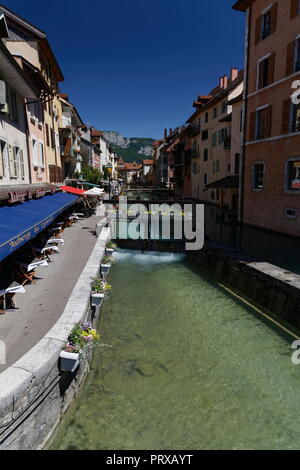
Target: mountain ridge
(130, 148)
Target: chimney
(171, 131)
(221, 84)
(165, 134)
(225, 81)
(234, 73)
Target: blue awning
(19, 224)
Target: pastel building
(271, 157)
(15, 87)
(31, 49)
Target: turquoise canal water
(183, 365)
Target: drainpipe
(245, 110)
(29, 163)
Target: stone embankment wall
(34, 394)
(269, 286)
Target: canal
(182, 365)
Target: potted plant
(81, 335)
(69, 358)
(110, 248)
(99, 288)
(106, 264)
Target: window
(206, 117)
(295, 8)
(297, 56)
(13, 164)
(35, 111)
(294, 118)
(214, 167)
(215, 113)
(13, 106)
(221, 136)
(3, 154)
(42, 158)
(204, 135)
(205, 155)
(258, 175)
(194, 168)
(214, 139)
(261, 123)
(224, 107)
(291, 213)
(266, 25)
(265, 71)
(213, 195)
(47, 135)
(52, 138)
(293, 175)
(35, 160)
(217, 166)
(205, 179)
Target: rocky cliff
(130, 149)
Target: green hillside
(135, 149)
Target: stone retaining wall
(34, 394)
(269, 286)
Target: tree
(91, 174)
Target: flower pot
(105, 268)
(109, 251)
(69, 361)
(97, 299)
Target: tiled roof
(148, 162)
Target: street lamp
(109, 168)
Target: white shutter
(15, 156)
(2, 147)
(11, 161)
(22, 165)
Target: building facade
(271, 157)
(214, 128)
(30, 47)
(70, 124)
(15, 87)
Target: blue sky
(136, 66)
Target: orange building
(216, 143)
(271, 155)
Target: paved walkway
(44, 302)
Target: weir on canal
(183, 365)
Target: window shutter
(274, 17)
(3, 93)
(268, 122)
(258, 30)
(294, 8)
(22, 164)
(290, 60)
(285, 128)
(260, 74)
(1, 161)
(252, 125)
(11, 152)
(271, 69)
